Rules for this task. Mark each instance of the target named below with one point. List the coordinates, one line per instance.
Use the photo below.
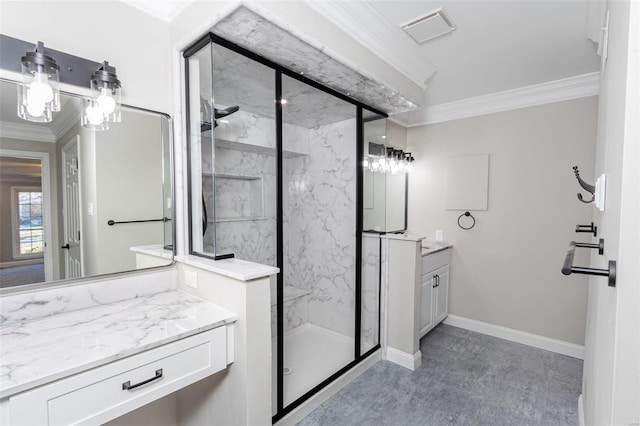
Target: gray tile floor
(466, 378)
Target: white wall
(135, 43)
(611, 377)
(506, 270)
(396, 136)
(128, 170)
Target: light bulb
(94, 115)
(39, 90)
(35, 109)
(375, 165)
(401, 165)
(365, 163)
(106, 102)
(409, 168)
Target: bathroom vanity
(91, 365)
(416, 278)
(434, 280)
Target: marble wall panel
(51, 301)
(370, 290)
(283, 46)
(252, 239)
(321, 220)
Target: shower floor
(312, 354)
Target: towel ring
(468, 215)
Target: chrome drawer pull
(129, 386)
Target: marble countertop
(430, 247)
(36, 352)
(157, 250)
(238, 269)
(403, 236)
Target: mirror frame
(101, 277)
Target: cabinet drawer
(436, 260)
(98, 395)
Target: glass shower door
(319, 236)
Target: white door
(72, 245)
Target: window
(28, 229)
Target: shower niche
(275, 177)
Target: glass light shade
(93, 116)
(365, 163)
(409, 168)
(107, 97)
(105, 91)
(39, 93)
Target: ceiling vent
(432, 25)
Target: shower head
(219, 113)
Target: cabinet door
(441, 294)
(426, 306)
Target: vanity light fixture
(390, 160)
(38, 95)
(104, 105)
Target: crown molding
(65, 121)
(26, 132)
(580, 86)
(165, 10)
(364, 24)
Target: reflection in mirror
(385, 188)
(61, 186)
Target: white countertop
(156, 250)
(40, 351)
(238, 269)
(430, 247)
(404, 236)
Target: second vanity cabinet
(434, 306)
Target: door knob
(66, 246)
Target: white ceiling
(497, 46)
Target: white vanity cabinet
(434, 289)
(93, 365)
(104, 393)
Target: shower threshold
(311, 355)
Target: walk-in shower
(280, 179)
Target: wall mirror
(77, 203)
(385, 193)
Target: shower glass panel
(319, 134)
(244, 158)
(276, 177)
(374, 209)
(233, 156)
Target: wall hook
(589, 188)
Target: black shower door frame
(360, 107)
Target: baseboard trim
(403, 359)
(315, 401)
(24, 262)
(535, 340)
(580, 411)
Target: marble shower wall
(320, 218)
(245, 181)
(371, 253)
(245, 207)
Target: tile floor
(466, 378)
